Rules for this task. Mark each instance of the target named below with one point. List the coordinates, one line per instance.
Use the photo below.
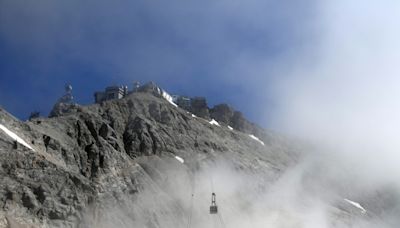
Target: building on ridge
(182, 101)
(111, 93)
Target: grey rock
(61, 108)
(222, 113)
(199, 107)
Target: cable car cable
(191, 203)
(221, 220)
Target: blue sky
(223, 50)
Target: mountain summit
(145, 161)
(123, 150)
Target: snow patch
(15, 137)
(213, 122)
(230, 128)
(257, 139)
(194, 116)
(357, 205)
(168, 97)
(180, 159)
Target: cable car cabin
(213, 207)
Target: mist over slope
(115, 164)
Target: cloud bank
(347, 98)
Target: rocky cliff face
(115, 165)
(102, 154)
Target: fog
(342, 96)
(346, 99)
(304, 195)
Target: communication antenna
(68, 89)
(67, 97)
(136, 86)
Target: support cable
(221, 220)
(191, 204)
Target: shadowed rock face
(199, 107)
(60, 109)
(222, 113)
